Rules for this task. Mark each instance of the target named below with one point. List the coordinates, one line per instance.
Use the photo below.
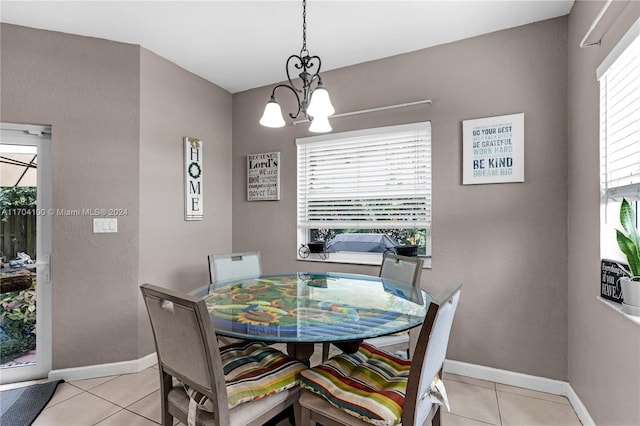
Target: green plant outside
(17, 323)
(17, 196)
(17, 221)
(629, 243)
(17, 309)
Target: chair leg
(296, 413)
(305, 416)
(166, 383)
(325, 351)
(436, 418)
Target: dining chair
(374, 386)
(404, 269)
(228, 266)
(243, 384)
(234, 265)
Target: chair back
(234, 265)
(401, 268)
(429, 355)
(186, 344)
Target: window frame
(303, 232)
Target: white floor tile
(449, 419)
(63, 392)
(473, 402)
(470, 380)
(92, 383)
(519, 410)
(81, 410)
(149, 407)
(127, 418)
(533, 394)
(126, 389)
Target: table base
(303, 351)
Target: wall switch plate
(103, 225)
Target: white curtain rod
(595, 22)
(364, 111)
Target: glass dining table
(301, 309)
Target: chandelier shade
(314, 104)
(320, 105)
(320, 124)
(272, 116)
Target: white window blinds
(379, 178)
(620, 121)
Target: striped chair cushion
(370, 384)
(252, 370)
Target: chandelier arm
(299, 65)
(319, 63)
(295, 92)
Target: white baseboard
(579, 407)
(511, 378)
(102, 370)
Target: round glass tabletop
(313, 307)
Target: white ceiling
(240, 44)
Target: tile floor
(133, 400)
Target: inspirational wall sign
(612, 271)
(493, 150)
(263, 176)
(193, 206)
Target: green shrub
(17, 323)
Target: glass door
(25, 252)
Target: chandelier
(313, 104)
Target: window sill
(352, 258)
(616, 307)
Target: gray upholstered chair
(227, 266)
(401, 268)
(373, 385)
(406, 270)
(244, 384)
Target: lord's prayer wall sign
(493, 150)
(263, 176)
(193, 205)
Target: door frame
(40, 136)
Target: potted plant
(629, 244)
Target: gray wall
(88, 90)
(119, 114)
(604, 347)
(506, 242)
(173, 252)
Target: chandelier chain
(304, 27)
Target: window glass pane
(620, 124)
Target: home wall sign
(263, 176)
(193, 203)
(611, 272)
(493, 150)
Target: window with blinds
(376, 181)
(619, 77)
